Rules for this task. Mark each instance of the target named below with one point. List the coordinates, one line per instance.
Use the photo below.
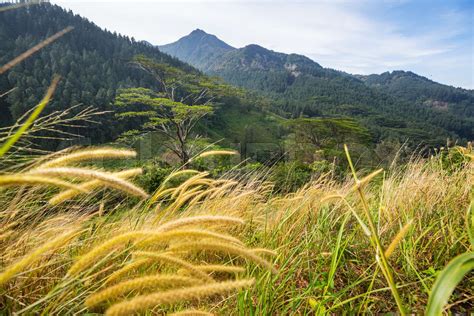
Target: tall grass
(135, 256)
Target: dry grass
(209, 237)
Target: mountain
(94, 64)
(411, 108)
(197, 49)
(411, 87)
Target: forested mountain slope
(301, 87)
(411, 87)
(94, 64)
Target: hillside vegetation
(298, 224)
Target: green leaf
(447, 281)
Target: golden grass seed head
(137, 284)
(107, 179)
(145, 302)
(200, 220)
(87, 259)
(35, 255)
(217, 153)
(173, 260)
(90, 185)
(220, 268)
(88, 155)
(35, 180)
(116, 275)
(226, 248)
(177, 174)
(398, 238)
(156, 237)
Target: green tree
(181, 101)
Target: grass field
(230, 246)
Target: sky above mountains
(434, 38)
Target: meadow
(231, 246)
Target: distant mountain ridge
(399, 104)
(411, 87)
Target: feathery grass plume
(126, 269)
(200, 220)
(35, 255)
(184, 194)
(107, 178)
(162, 193)
(226, 248)
(191, 312)
(87, 259)
(153, 237)
(220, 268)
(169, 258)
(22, 179)
(177, 174)
(263, 251)
(140, 284)
(183, 198)
(145, 302)
(88, 186)
(398, 237)
(29, 121)
(34, 49)
(6, 234)
(201, 195)
(147, 237)
(88, 155)
(194, 180)
(217, 153)
(222, 189)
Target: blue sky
(433, 38)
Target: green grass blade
(23, 128)
(470, 224)
(447, 281)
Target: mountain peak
(197, 48)
(198, 32)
